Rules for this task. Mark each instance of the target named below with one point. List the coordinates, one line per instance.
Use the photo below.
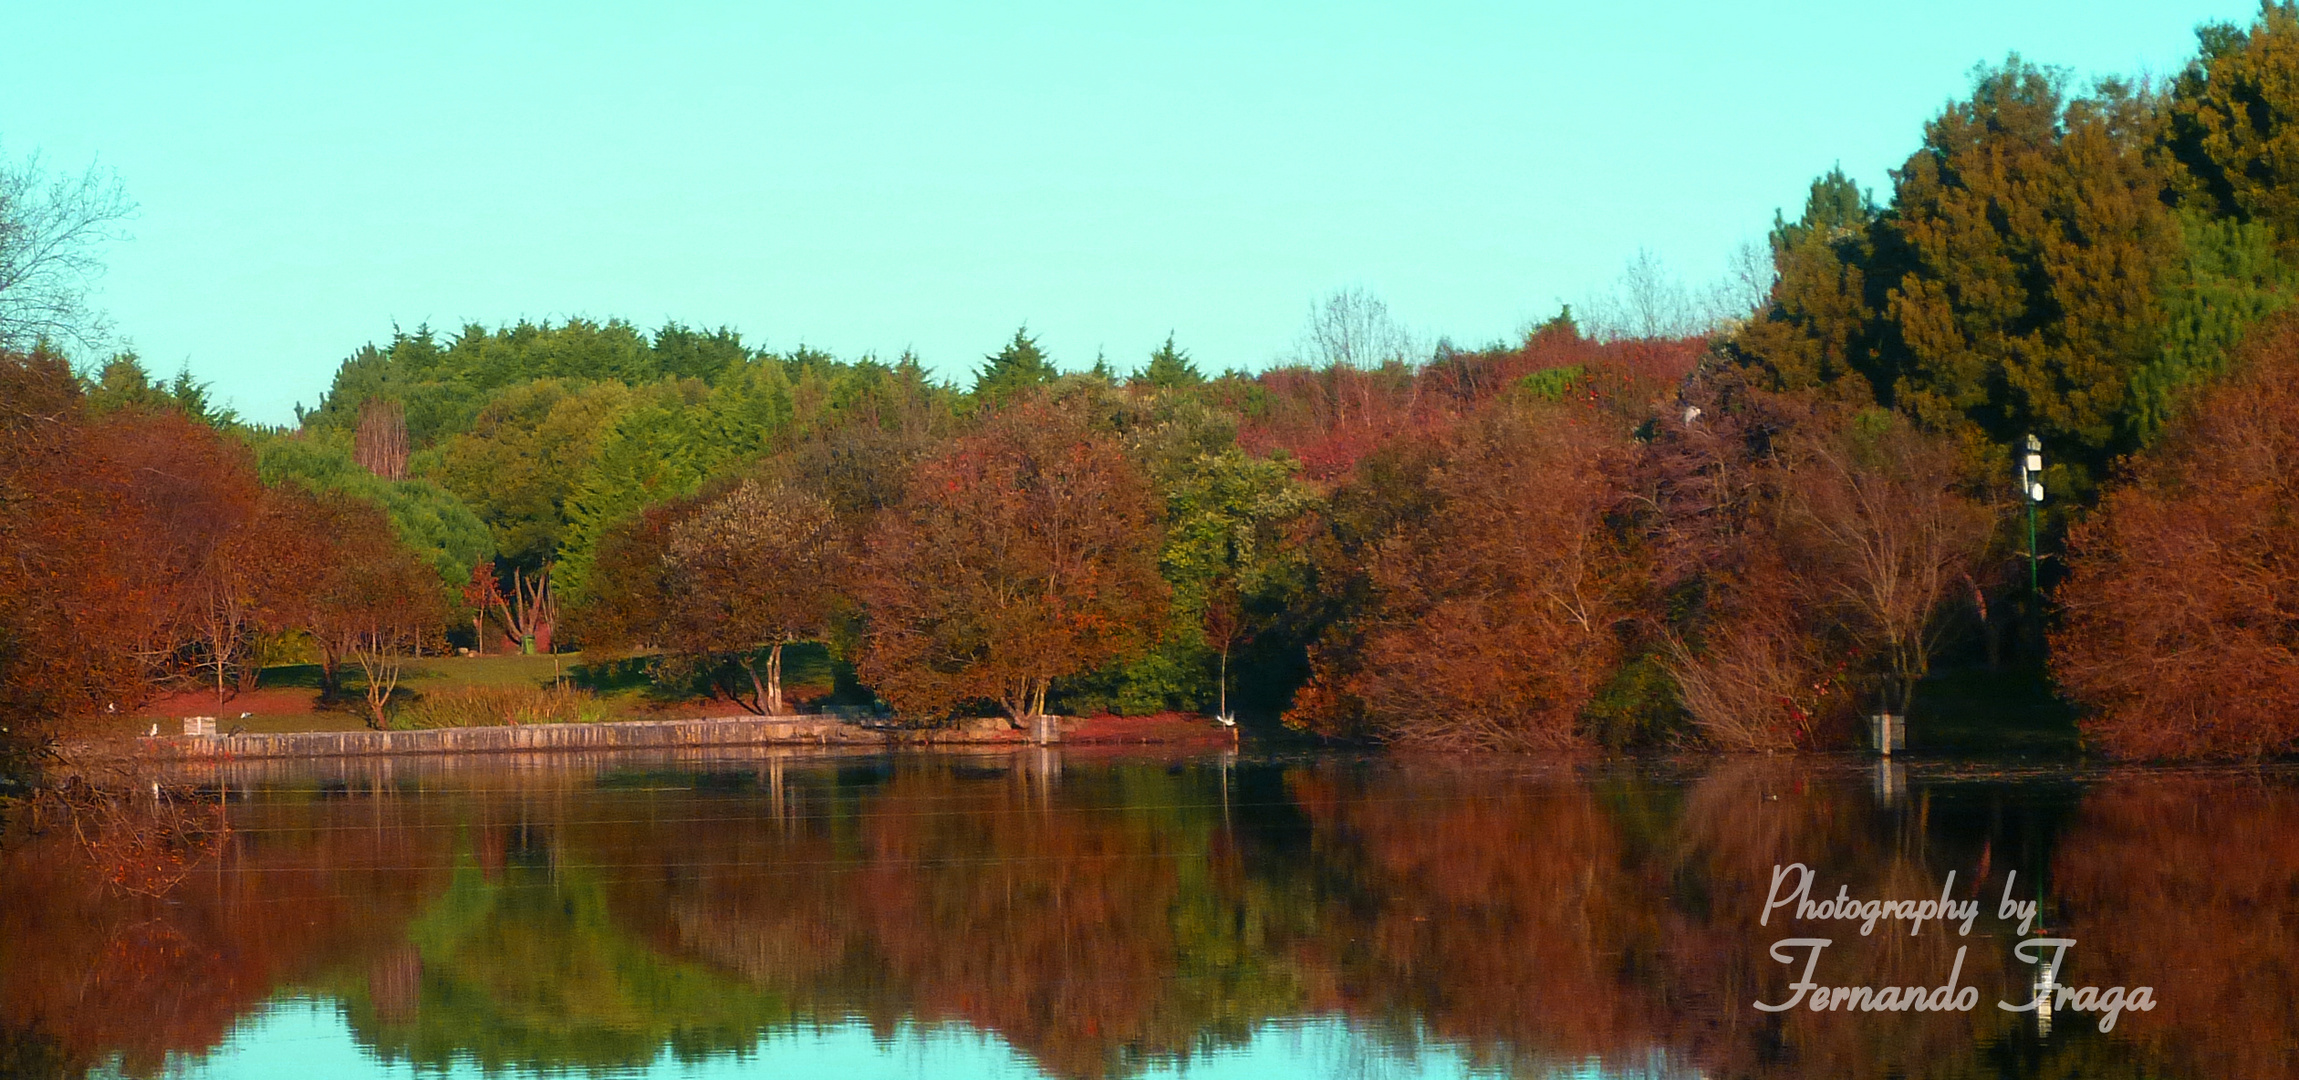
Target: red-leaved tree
(2180, 616)
(1024, 554)
(1495, 606)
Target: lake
(1068, 913)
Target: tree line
(1745, 538)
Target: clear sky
(874, 176)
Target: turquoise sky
(871, 176)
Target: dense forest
(1744, 538)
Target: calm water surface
(1067, 914)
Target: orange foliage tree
(2180, 614)
(371, 599)
(138, 549)
(1880, 520)
(759, 565)
(1818, 556)
(1496, 604)
(198, 495)
(67, 644)
(758, 562)
(1024, 554)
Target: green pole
(2032, 589)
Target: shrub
(2180, 615)
(1765, 678)
(489, 706)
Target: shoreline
(707, 732)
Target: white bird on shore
(1225, 720)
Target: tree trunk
(1224, 714)
(381, 666)
(774, 679)
(757, 688)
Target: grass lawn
(287, 697)
(438, 672)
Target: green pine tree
(1169, 367)
(2230, 280)
(1013, 369)
(1820, 329)
(2036, 241)
(2233, 123)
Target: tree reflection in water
(1122, 916)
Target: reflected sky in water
(1073, 915)
(302, 1038)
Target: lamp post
(2031, 473)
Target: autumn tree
(372, 600)
(1025, 553)
(753, 563)
(623, 603)
(1815, 559)
(1753, 665)
(222, 603)
(1495, 602)
(2180, 615)
(198, 563)
(140, 548)
(71, 595)
(759, 565)
(1760, 668)
(1882, 527)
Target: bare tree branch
(52, 229)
